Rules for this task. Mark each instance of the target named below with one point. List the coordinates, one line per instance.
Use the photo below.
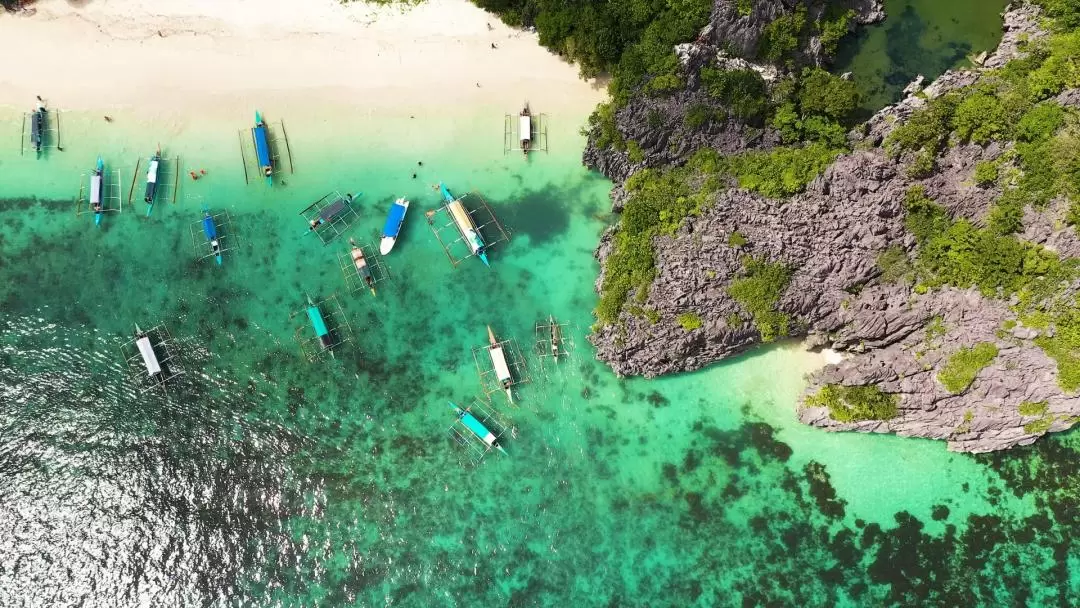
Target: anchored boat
(262, 148)
(317, 322)
(465, 225)
(498, 361)
(361, 265)
(525, 129)
(146, 350)
(151, 181)
(556, 337)
(37, 128)
(476, 427)
(97, 179)
(393, 225)
(210, 230)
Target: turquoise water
(263, 479)
(918, 37)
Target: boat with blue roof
(392, 227)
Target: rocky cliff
(829, 238)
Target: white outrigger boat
(498, 361)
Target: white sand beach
(223, 56)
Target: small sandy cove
(227, 56)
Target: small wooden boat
(319, 325)
(392, 228)
(525, 129)
(465, 225)
(210, 230)
(361, 265)
(37, 128)
(498, 361)
(262, 148)
(97, 187)
(476, 427)
(556, 337)
(151, 181)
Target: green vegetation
(689, 321)
(758, 292)
(925, 219)
(961, 368)
(986, 173)
(1064, 346)
(936, 328)
(659, 201)
(630, 39)
(698, 115)
(1040, 426)
(737, 239)
(781, 171)
(1029, 408)
(894, 265)
(855, 403)
(780, 39)
(742, 92)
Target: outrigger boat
(361, 265)
(392, 228)
(525, 129)
(97, 179)
(262, 148)
(210, 230)
(476, 427)
(556, 337)
(465, 225)
(498, 361)
(37, 128)
(146, 350)
(151, 181)
(317, 322)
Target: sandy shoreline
(180, 56)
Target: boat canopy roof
(393, 221)
(461, 216)
(149, 357)
(151, 170)
(317, 321)
(478, 428)
(498, 359)
(262, 146)
(209, 229)
(525, 128)
(332, 210)
(95, 188)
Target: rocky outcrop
(831, 237)
(982, 418)
(658, 126)
(740, 31)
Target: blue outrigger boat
(151, 181)
(37, 128)
(262, 148)
(97, 187)
(392, 228)
(317, 322)
(465, 225)
(210, 230)
(476, 427)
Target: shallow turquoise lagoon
(265, 479)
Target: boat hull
(387, 244)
